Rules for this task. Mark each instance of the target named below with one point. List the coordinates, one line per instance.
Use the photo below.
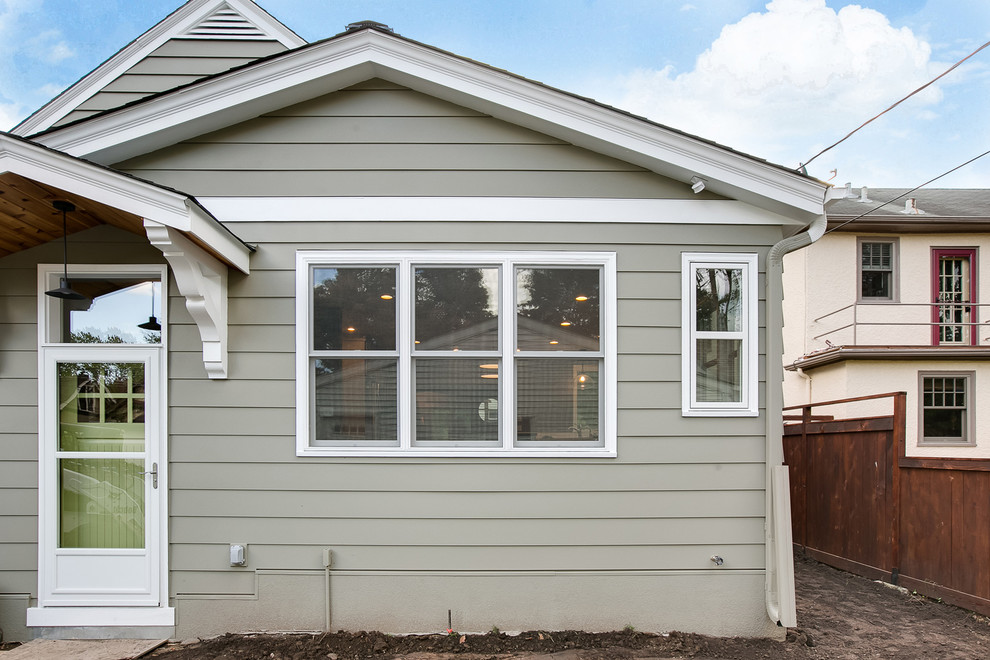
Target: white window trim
(895, 251)
(969, 416)
(305, 259)
(748, 406)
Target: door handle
(154, 475)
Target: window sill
(434, 452)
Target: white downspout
(779, 555)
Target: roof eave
(350, 58)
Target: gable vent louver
(225, 23)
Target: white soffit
(195, 19)
(324, 67)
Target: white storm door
(100, 486)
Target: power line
(908, 192)
(875, 117)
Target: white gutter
(779, 555)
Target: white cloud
(49, 47)
(778, 81)
(10, 115)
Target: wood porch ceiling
(28, 219)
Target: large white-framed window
(719, 345)
(437, 353)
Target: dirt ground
(840, 617)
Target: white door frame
(144, 607)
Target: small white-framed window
(877, 265)
(455, 353)
(719, 345)
(946, 410)
(122, 304)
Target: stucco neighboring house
(891, 301)
(361, 334)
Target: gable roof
(228, 20)
(370, 51)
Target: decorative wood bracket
(202, 280)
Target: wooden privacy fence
(859, 504)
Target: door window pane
(456, 402)
(101, 406)
(456, 309)
(355, 402)
(112, 314)
(557, 401)
(101, 503)
(353, 309)
(558, 309)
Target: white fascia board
(172, 26)
(490, 209)
(325, 67)
(99, 184)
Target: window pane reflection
(101, 406)
(456, 402)
(113, 313)
(457, 309)
(101, 503)
(557, 401)
(719, 373)
(353, 309)
(558, 309)
(719, 300)
(355, 402)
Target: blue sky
(779, 80)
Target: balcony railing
(904, 324)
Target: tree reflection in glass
(558, 309)
(353, 309)
(457, 309)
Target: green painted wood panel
(368, 157)
(202, 66)
(147, 83)
(241, 48)
(654, 449)
(510, 558)
(413, 184)
(490, 533)
(543, 480)
(354, 129)
(19, 557)
(19, 502)
(368, 513)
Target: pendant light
(152, 322)
(64, 291)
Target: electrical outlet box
(327, 557)
(238, 554)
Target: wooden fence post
(897, 449)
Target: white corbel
(202, 280)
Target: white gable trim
(177, 24)
(327, 66)
(491, 209)
(140, 198)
